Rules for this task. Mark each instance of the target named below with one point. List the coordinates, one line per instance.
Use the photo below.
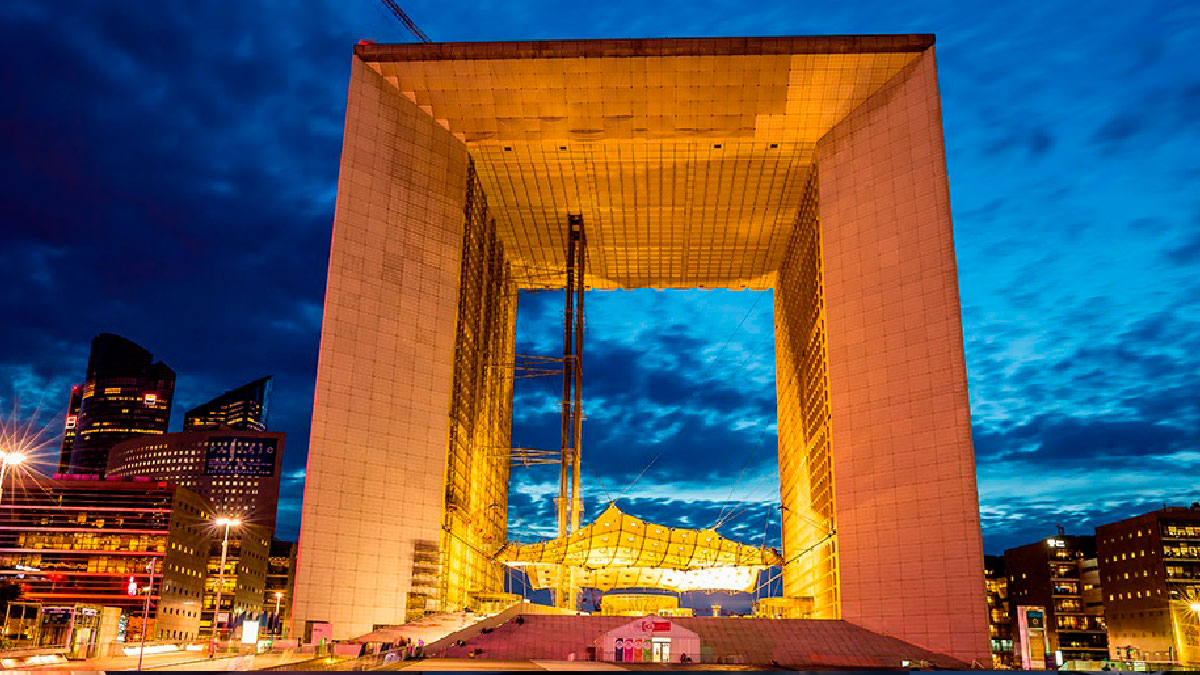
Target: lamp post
(146, 612)
(278, 622)
(8, 459)
(227, 523)
(1194, 605)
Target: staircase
(791, 642)
(428, 629)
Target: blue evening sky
(169, 170)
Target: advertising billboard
(1031, 636)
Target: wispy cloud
(171, 170)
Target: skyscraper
(126, 394)
(70, 427)
(241, 408)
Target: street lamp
(8, 459)
(146, 612)
(226, 523)
(1195, 607)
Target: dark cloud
(167, 178)
(1070, 442)
(751, 522)
(168, 173)
(1034, 142)
(1186, 252)
(1023, 522)
(1118, 129)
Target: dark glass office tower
(242, 408)
(70, 426)
(126, 394)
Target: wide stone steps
(792, 642)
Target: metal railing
(332, 663)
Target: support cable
(758, 444)
(699, 382)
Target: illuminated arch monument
(810, 165)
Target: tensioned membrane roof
(686, 157)
(619, 551)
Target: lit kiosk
(649, 639)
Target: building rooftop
(688, 158)
(642, 47)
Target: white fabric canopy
(619, 551)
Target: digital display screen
(241, 456)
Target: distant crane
(408, 23)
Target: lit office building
(281, 574)
(241, 408)
(238, 471)
(1150, 567)
(245, 579)
(126, 395)
(1056, 575)
(73, 543)
(999, 623)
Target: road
(180, 661)
(493, 665)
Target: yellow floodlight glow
(1195, 607)
(618, 551)
(231, 522)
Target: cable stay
(699, 383)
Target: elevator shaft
(570, 503)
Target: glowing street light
(8, 459)
(227, 523)
(146, 612)
(1195, 607)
